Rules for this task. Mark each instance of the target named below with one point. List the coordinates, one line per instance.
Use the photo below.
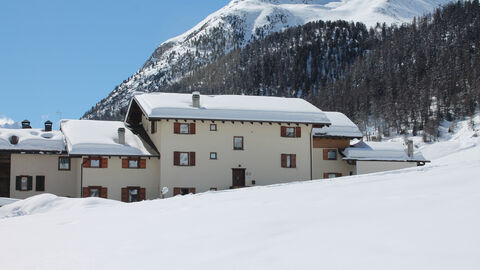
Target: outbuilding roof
(341, 126)
(31, 140)
(91, 137)
(230, 108)
(380, 151)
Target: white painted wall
(364, 167)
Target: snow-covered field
(418, 218)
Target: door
(5, 175)
(238, 176)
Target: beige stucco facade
(364, 167)
(261, 156)
(114, 177)
(62, 183)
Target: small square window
(95, 163)
(332, 175)
(94, 192)
(213, 155)
(64, 163)
(332, 154)
(184, 159)
(238, 143)
(290, 131)
(184, 128)
(213, 127)
(133, 163)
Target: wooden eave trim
(410, 160)
(235, 120)
(335, 137)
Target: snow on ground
(417, 218)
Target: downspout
(311, 154)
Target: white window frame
(290, 132)
(61, 164)
(334, 151)
(184, 128)
(186, 159)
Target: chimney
(121, 135)
(48, 125)
(196, 99)
(410, 148)
(26, 124)
(14, 139)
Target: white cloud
(6, 122)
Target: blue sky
(58, 58)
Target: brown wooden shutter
(176, 191)
(192, 128)
(104, 192)
(325, 175)
(142, 194)
(325, 154)
(293, 160)
(142, 163)
(153, 127)
(176, 158)
(298, 132)
(339, 174)
(104, 163)
(192, 159)
(284, 160)
(124, 194)
(125, 163)
(191, 190)
(283, 131)
(86, 192)
(86, 163)
(176, 128)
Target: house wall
(114, 178)
(364, 167)
(321, 166)
(61, 183)
(261, 157)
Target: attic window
(184, 128)
(95, 163)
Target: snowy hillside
(236, 25)
(417, 218)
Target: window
(23, 183)
(133, 194)
(134, 163)
(184, 158)
(183, 191)
(95, 163)
(94, 191)
(331, 175)
(290, 132)
(40, 183)
(213, 127)
(289, 161)
(64, 164)
(183, 128)
(213, 155)
(332, 154)
(237, 143)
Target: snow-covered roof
(341, 126)
(91, 137)
(380, 151)
(36, 140)
(230, 107)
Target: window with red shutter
(176, 128)
(192, 128)
(104, 163)
(289, 161)
(289, 132)
(124, 194)
(192, 159)
(284, 160)
(86, 163)
(125, 163)
(283, 131)
(103, 192)
(298, 132)
(143, 163)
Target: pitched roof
(91, 137)
(380, 151)
(230, 107)
(341, 126)
(32, 140)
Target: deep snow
(417, 218)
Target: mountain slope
(236, 25)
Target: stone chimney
(410, 148)
(121, 135)
(48, 125)
(26, 124)
(14, 139)
(196, 99)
